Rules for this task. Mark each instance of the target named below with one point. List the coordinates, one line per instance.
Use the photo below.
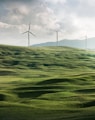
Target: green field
(47, 83)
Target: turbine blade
(32, 33)
(25, 32)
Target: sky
(74, 19)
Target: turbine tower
(29, 32)
(57, 37)
(86, 42)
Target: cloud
(56, 1)
(72, 17)
(82, 8)
(4, 25)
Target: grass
(46, 83)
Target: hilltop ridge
(40, 57)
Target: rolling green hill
(47, 83)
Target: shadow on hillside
(39, 88)
(86, 91)
(33, 94)
(56, 80)
(6, 72)
(2, 97)
(88, 104)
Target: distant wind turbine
(86, 42)
(29, 32)
(57, 36)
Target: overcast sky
(73, 18)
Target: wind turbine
(29, 32)
(57, 36)
(86, 42)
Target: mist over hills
(76, 43)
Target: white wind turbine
(57, 37)
(86, 44)
(29, 32)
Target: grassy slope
(46, 83)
